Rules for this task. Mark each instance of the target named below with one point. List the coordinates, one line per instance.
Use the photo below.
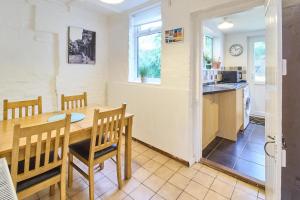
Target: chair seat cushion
(39, 178)
(83, 149)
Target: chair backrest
(22, 108)
(37, 148)
(107, 129)
(76, 101)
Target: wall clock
(236, 50)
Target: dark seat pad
(39, 178)
(83, 149)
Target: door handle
(265, 148)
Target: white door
(257, 79)
(273, 98)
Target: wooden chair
(24, 108)
(105, 143)
(69, 102)
(36, 163)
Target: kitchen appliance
(231, 76)
(247, 106)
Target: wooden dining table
(79, 131)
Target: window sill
(148, 81)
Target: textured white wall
(166, 122)
(33, 52)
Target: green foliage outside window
(149, 53)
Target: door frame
(250, 79)
(196, 61)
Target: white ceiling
(107, 8)
(250, 20)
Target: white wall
(238, 38)
(167, 121)
(33, 52)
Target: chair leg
(91, 182)
(101, 165)
(52, 190)
(63, 191)
(119, 174)
(70, 171)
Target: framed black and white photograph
(81, 46)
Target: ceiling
(107, 8)
(250, 20)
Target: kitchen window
(259, 59)
(146, 42)
(208, 51)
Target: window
(208, 51)
(147, 39)
(259, 60)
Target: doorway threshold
(231, 172)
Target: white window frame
(133, 50)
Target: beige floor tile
(114, 194)
(197, 166)
(141, 174)
(109, 166)
(204, 179)
(83, 195)
(161, 158)
(227, 179)
(261, 194)
(140, 148)
(103, 185)
(130, 185)
(186, 196)
(179, 181)
(211, 195)
(222, 188)
(134, 154)
(174, 165)
(112, 176)
(196, 190)
(209, 171)
(154, 183)
(142, 193)
(188, 172)
(141, 159)
(157, 197)
(250, 189)
(169, 192)
(150, 153)
(241, 195)
(152, 166)
(164, 173)
(128, 198)
(78, 186)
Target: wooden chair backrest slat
(16, 108)
(41, 141)
(70, 102)
(107, 129)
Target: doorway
(235, 141)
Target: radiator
(7, 190)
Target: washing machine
(247, 106)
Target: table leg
(128, 145)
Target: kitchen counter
(222, 87)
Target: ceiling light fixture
(112, 1)
(225, 24)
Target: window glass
(260, 62)
(149, 53)
(208, 52)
